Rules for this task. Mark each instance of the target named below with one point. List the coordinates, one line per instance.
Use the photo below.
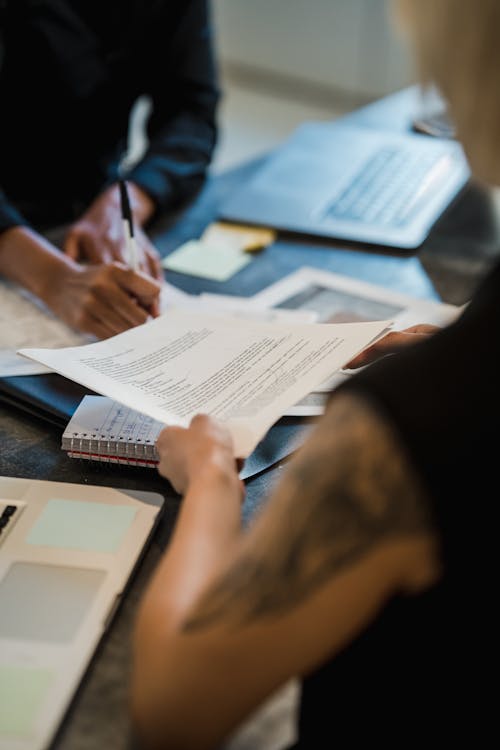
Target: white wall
(343, 45)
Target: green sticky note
(217, 262)
(76, 524)
(22, 692)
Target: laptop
(343, 181)
(66, 554)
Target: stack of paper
(244, 373)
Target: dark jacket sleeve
(182, 127)
(9, 215)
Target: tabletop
(460, 249)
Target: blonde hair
(457, 46)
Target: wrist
(54, 279)
(142, 205)
(31, 261)
(220, 476)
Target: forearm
(209, 524)
(31, 261)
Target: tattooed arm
(229, 617)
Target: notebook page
(103, 418)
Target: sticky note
(22, 693)
(217, 262)
(248, 238)
(82, 525)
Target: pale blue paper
(82, 525)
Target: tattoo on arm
(347, 491)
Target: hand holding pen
(103, 294)
(98, 235)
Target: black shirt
(71, 71)
(419, 673)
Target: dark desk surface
(460, 249)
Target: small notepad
(247, 238)
(103, 430)
(217, 262)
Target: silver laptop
(354, 183)
(66, 554)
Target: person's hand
(392, 343)
(206, 445)
(103, 300)
(98, 236)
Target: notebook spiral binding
(120, 451)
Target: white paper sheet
(249, 307)
(232, 307)
(182, 364)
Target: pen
(128, 226)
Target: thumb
(140, 285)
(81, 245)
(71, 245)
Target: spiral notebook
(103, 430)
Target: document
(245, 307)
(25, 322)
(244, 373)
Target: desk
(460, 249)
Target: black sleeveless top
(420, 671)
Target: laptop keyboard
(390, 186)
(8, 514)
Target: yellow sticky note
(247, 238)
(208, 260)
